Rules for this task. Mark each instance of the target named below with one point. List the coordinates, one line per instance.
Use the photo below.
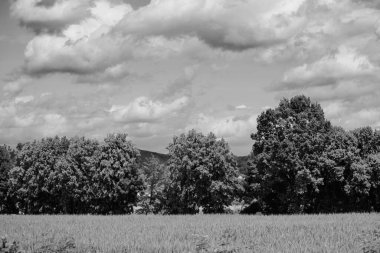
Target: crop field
(198, 233)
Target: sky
(158, 68)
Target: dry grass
(200, 233)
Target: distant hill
(145, 155)
(242, 161)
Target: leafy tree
(30, 181)
(373, 162)
(156, 177)
(71, 179)
(285, 175)
(368, 141)
(203, 172)
(303, 164)
(77, 189)
(116, 181)
(7, 159)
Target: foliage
(73, 175)
(116, 181)
(7, 160)
(57, 175)
(156, 178)
(288, 143)
(203, 172)
(31, 182)
(303, 164)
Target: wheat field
(198, 233)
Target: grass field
(199, 233)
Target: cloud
(345, 82)
(81, 48)
(24, 99)
(109, 75)
(236, 130)
(215, 21)
(142, 109)
(182, 85)
(328, 49)
(54, 124)
(226, 127)
(241, 107)
(344, 64)
(52, 15)
(15, 85)
(90, 37)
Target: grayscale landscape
(219, 126)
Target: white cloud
(226, 127)
(241, 107)
(81, 48)
(142, 109)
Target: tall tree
(117, 181)
(373, 162)
(7, 160)
(73, 173)
(203, 172)
(30, 180)
(288, 143)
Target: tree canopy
(203, 172)
(304, 164)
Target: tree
(367, 141)
(7, 160)
(72, 176)
(30, 180)
(203, 172)
(116, 181)
(156, 177)
(285, 175)
(373, 162)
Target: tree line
(299, 163)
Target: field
(199, 233)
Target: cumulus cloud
(344, 64)
(96, 35)
(142, 109)
(215, 21)
(54, 15)
(81, 48)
